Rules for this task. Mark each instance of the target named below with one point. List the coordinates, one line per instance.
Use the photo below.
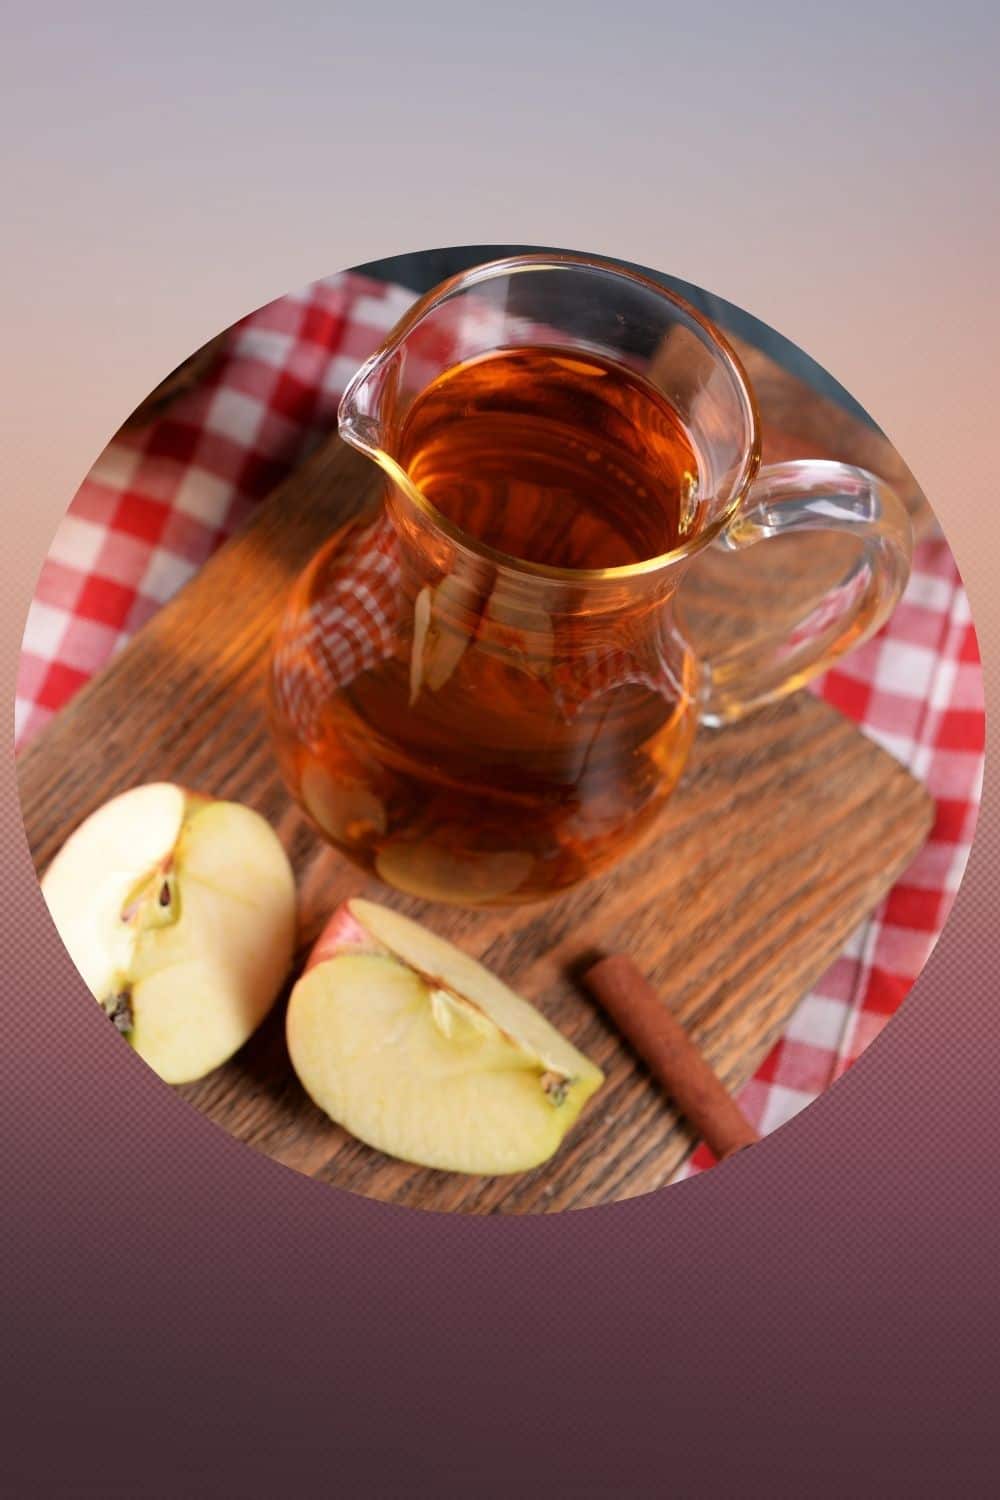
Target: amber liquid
(494, 755)
(554, 457)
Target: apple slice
(445, 619)
(179, 913)
(342, 806)
(421, 1052)
(437, 874)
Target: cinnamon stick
(660, 1040)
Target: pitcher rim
(540, 261)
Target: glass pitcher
(480, 688)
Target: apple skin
(343, 933)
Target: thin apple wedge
(421, 1052)
(179, 913)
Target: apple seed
(556, 1087)
(119, 1011)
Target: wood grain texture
(783, 835)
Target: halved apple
(179, 912)
(421, 1052)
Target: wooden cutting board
(784, 833)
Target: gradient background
(183, 1317)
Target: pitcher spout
(364, 407)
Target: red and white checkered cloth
(161, 498)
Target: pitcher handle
(800, 496)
